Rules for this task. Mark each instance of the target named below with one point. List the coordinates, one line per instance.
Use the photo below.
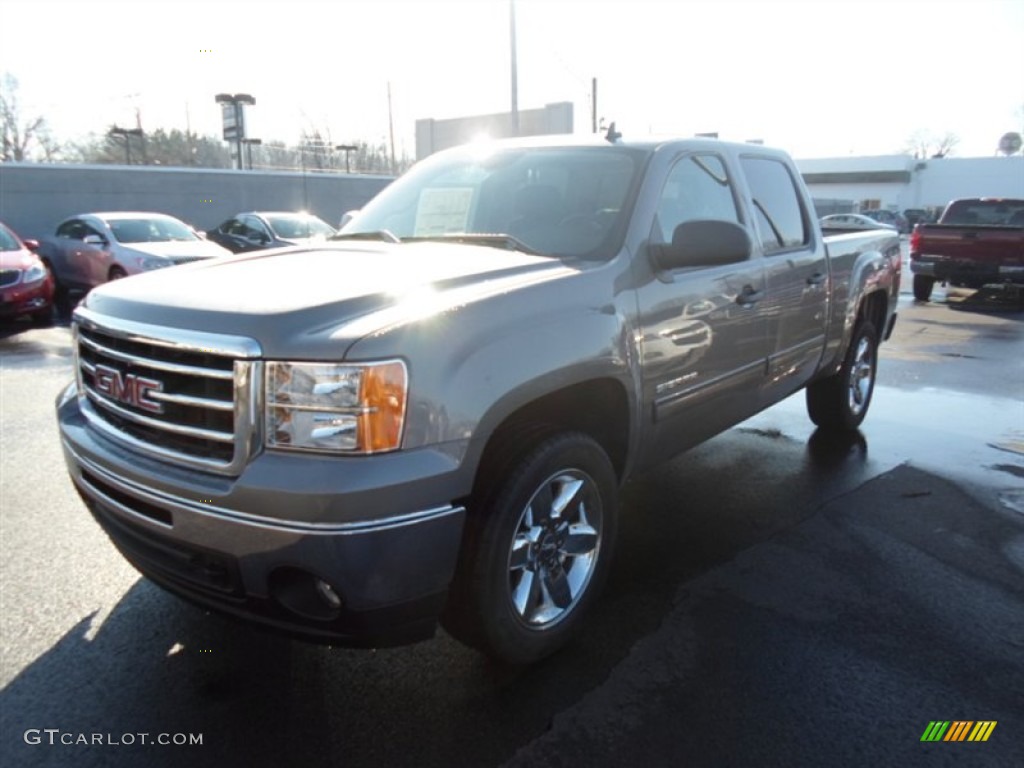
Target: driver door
(705, 343)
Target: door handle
(816, 279)
(749, 297)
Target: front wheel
(116, 273)
(841, 401)
(537, 552)
(923, 285)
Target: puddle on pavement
(974, 438)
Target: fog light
(327, 592)
(305, 594)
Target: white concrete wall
(949, 178)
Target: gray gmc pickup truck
(429, 417)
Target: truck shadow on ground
(156, 665)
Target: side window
(780, 218)
(232, 227)
(73, 229)
(253, 228)
(697, 188)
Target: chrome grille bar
(192, 398)
(159, 365)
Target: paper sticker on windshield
(442, 210)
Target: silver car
(92, 248)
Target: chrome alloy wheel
(555, 548)
(861, 376)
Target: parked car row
(89, 249)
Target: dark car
(253, 231)
(915, 216)
(890, 218)
(26, 285)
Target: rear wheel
(841, 401)
(537, 551)
(923, 285)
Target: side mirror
(704, 243)
(94, 240)
(347, 217)
(32, 245)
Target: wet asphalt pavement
(779, 598)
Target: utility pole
(391, 130)
(191, 149)
(515, 67)
(593, 105)
(142, 135)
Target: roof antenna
(612, 134)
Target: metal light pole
(346, 148)
(125, 133)
(248, 144)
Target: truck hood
(287, 298)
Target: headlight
(34, 274)
(350, 408)
(154, 263)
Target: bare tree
(18, 133)
(926, 144)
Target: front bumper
(24, 300)
(270, 546)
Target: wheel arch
(597, 407)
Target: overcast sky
(817, 78)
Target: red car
(26, 285)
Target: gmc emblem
(130, 389)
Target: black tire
(841, 401)
(44, 317)
(923, 287)
(116, 273)
(537, 551)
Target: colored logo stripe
(958, 730)
(982, 730)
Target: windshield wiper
(507, 242)
(378, 234)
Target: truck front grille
(167, 393)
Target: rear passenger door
(796, 272)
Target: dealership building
(898, 182)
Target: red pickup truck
(976, 241)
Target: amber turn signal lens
(384, 392)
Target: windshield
(7, 241)
(558, 201)
(299, 226)
(150, 230)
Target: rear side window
(780, 218)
